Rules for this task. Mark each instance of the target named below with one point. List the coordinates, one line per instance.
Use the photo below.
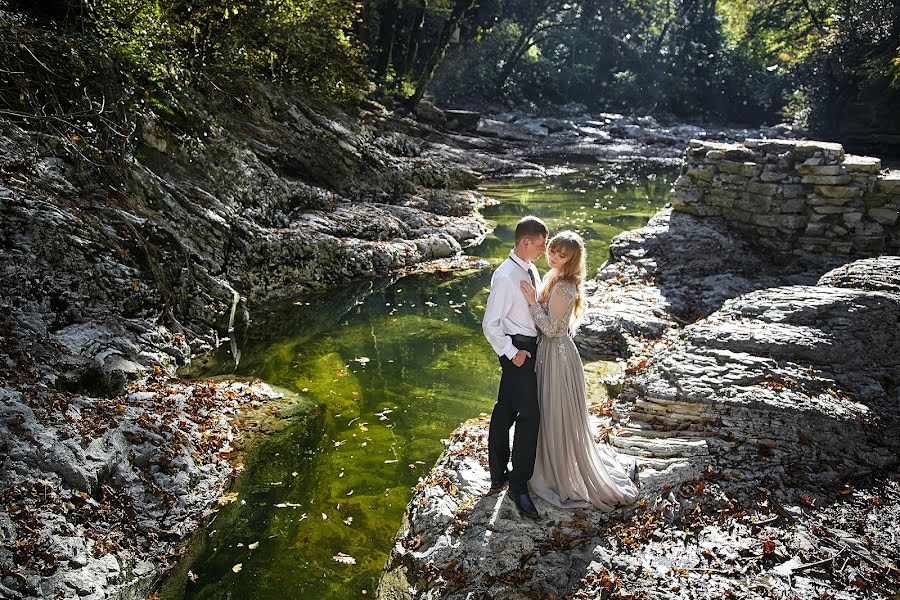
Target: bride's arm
(556, 323)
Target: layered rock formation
(759, 396)
(676, 269)
(798, 382)
(767, 412)
(794, 196)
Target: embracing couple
(542, 388)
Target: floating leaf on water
(294, 474)
(236, 568)
(253, 546)
(344, 558)
(348, 521)
(324, 517)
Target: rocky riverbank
(764, 435)
(611, 136)
(758, 394)
(108, 461)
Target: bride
(570, 469)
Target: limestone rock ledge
(797, 382)
(766, 438)
(98, 493)
(673, 271)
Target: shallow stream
(386, 369)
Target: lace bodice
(553, 319)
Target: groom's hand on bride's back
(519, 358)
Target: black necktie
(531, 277)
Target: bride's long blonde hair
(574, 270)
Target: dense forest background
(830, 65)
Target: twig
(23, 115)
(704, 570)
(819, 563)
(39, 60)
(881, 562)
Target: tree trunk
(518, 50)
(459, 9)
(521, 46)
(416, 35)
(386, 35)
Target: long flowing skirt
(571, 470)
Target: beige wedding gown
(570, 469)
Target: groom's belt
(524, 339)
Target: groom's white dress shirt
(507, 311)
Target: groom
(510, 329)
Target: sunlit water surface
(388, 369)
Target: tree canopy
(833, 65)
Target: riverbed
(387, 368)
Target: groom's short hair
(529, 227)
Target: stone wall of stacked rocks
(800, 197)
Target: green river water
(386, 369)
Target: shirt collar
(522, 263)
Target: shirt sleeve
(498, 304)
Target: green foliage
(471, 70)
(90, 73)
(740, 60)
(304, 42)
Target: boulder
(430, 114)
(462, 120)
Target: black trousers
(517, 403)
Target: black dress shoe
(525, 505)
(497, 486)
(633, 475)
